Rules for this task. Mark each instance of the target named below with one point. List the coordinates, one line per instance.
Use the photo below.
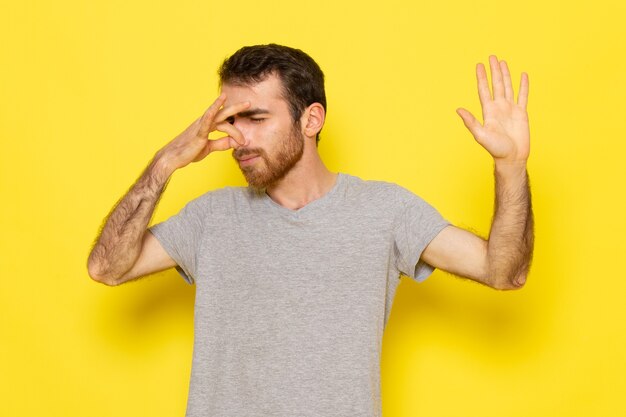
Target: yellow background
(90, 90)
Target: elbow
(97, 275)
(106, 281)
(507, 283)
(506, 277)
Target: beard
(273, 168)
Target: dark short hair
(301, 77)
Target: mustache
(242, 152)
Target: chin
(254, 181)
(262, 181)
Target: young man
(296, 273)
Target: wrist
(160, 168)
(510, 168)
(510, 177)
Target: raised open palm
(504, 132)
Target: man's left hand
(504, 132)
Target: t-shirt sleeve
(180, 236)
(416, 227)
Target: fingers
(483, 86)
(223, 144)
(209, 115)
(496, 77)
(522, 97)
(501, 83)
(230, 111)
(470, 122)
(214, 118)
(506, 78)
(214, 115)
(234, 133)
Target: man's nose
(244, 130)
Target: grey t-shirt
(291, 305)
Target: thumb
(470, 122)
(222, 144)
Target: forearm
(511, 239)
(119, 244)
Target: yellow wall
(90, 90)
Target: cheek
(268, 135)
(255, 130)
(245, 129)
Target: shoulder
(224, 193)
(376, 190)
(385, 198)
(221, 198)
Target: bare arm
(125, 250)
(503, 260)
(511, 239)
(120, 242)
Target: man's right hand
(125, 249)
(193, 144)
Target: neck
(307, 181)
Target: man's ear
(312, 120)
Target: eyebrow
(252, 112)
